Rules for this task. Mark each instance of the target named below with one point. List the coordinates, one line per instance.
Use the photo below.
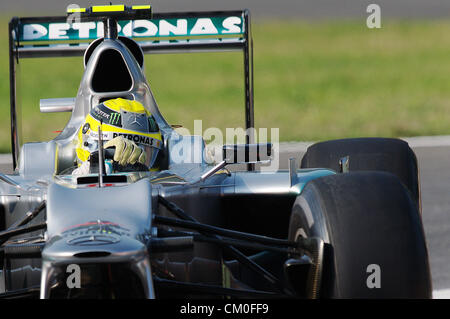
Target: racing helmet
(120, 117)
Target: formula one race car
(347, 224)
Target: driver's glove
(127, 152)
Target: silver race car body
(119, 230)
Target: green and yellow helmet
(120, 117)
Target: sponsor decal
(105, 135)
(86, 128)
(105, 114)
(156, 28)
(137, 138)
(94, 240)
(94, 233)
(100, 113)
(114, 118)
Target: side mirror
(57, 105)
(247, 153)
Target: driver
(128, 128)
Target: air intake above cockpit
(111, 73)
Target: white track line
(428, 141)
(441, 294)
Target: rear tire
(369, 154)
(364, 218)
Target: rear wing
(181, 32)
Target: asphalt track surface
(433, 155)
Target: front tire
(365, 219)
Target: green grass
(314, 81)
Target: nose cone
(102, 231)
(107, 266)
(93, 246)
(120, 210)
